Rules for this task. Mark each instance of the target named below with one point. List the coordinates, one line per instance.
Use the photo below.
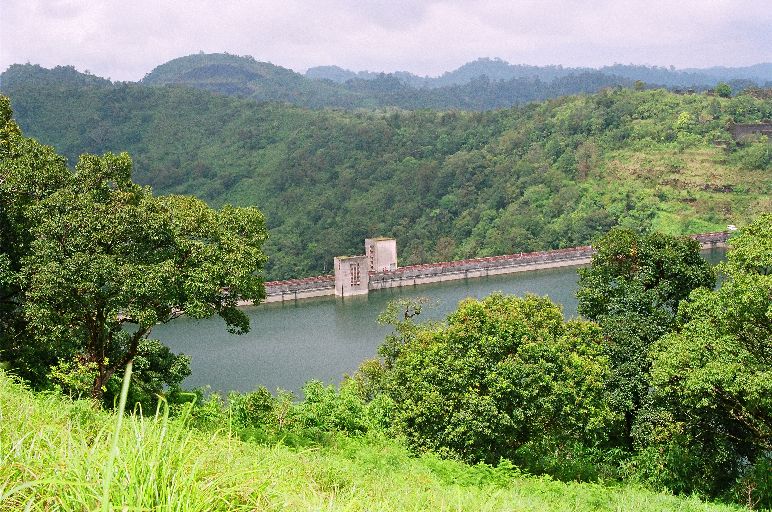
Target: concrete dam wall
(377, 269)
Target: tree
(723, 90)
(711, 378)
(500, 374)
(29, 172)
(632, 272)
(632, 289)
(106, 260)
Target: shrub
(501, 373)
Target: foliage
(29, 173)
(757, 155)
(723, 89)
(75, 377)
(502, 372)
(752, 252)
(324, 411)
(640, 273)
(447, 185)
(711, 379)
(94, 261)
(53, 452)
(632, 288)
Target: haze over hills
(483, 84)
(498, 69)
(245, 77)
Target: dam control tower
(352, 273)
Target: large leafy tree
(499, 374)
(642, 273)
(29, 172)
(632, 289)
(104, 260)
(712, 379)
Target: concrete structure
(294, 289)
(381, 254)
(749, 131)
(351, 275)
(480, 267)
(713, 240)
(354, 277)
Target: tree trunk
(106, 372)
(100, 382)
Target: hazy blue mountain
(244, 77)
(334, 73)
(498, 69)
(483, 84)
(756, 72)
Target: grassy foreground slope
(53, 455)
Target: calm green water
(324, 338)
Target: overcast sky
(125, 39)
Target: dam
(377, 269)
(293, 341)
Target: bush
(754, 488)
(255, 409)
(501, 373)
(756, 155)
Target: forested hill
(498, 69)
(245, 77)
(483, 84)
(445, 184)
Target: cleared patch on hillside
(697, 189)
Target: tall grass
(54, 455)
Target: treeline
(259, 81)
(480, 85)
(447, 185)
(498, 69)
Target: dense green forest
(445, 184)
(244, 77)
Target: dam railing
(413, 275)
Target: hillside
(483, 84)
(447, 185)
(245, 77)
(498, 69)
(57, 453)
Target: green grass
(697, 189)
(54, 454)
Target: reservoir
(325, 338)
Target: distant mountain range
(483, 84)
(497, 69)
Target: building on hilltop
(748, 131)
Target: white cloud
(126, 39)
